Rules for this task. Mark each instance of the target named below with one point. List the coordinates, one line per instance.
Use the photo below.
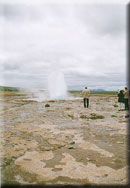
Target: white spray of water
(56, 85)
(56, 88)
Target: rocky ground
(64, 143)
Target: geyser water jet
(56, 85)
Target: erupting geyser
(56, 85)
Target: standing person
(120, 97)
(126, 95)
(86, 94)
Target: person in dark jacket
(121, 98)
(126, 97)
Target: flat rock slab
(62, 144)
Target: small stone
(70, 147)
(119, 142)
(27, 159)
(72, 143)
(52, 101)
(113, 116)
(47, 105)
(105, 175)
(70, 115)
(83, 116)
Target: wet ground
(64, 143)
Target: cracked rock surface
(63, 143)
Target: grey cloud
(104, 19)
(15, 12)
(9, 67)
(80, 40)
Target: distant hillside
(95, 91)
(98, 90)
(103, 92)
(4, 88)
(92, 90)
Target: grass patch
(8, 94)
(47, 105)
(93, 114)
(115, 105)
(68, 108)
(8, 176)
(4, 88)
(6, 162)
(27, 101)
(113, 116)
(70, 115)
(83, 116)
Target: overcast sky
(86, 42)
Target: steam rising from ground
(35, 94)
(56, 85)
(56, 88)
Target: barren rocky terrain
(63, 143)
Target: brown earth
(64, 143)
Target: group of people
(123, 96)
